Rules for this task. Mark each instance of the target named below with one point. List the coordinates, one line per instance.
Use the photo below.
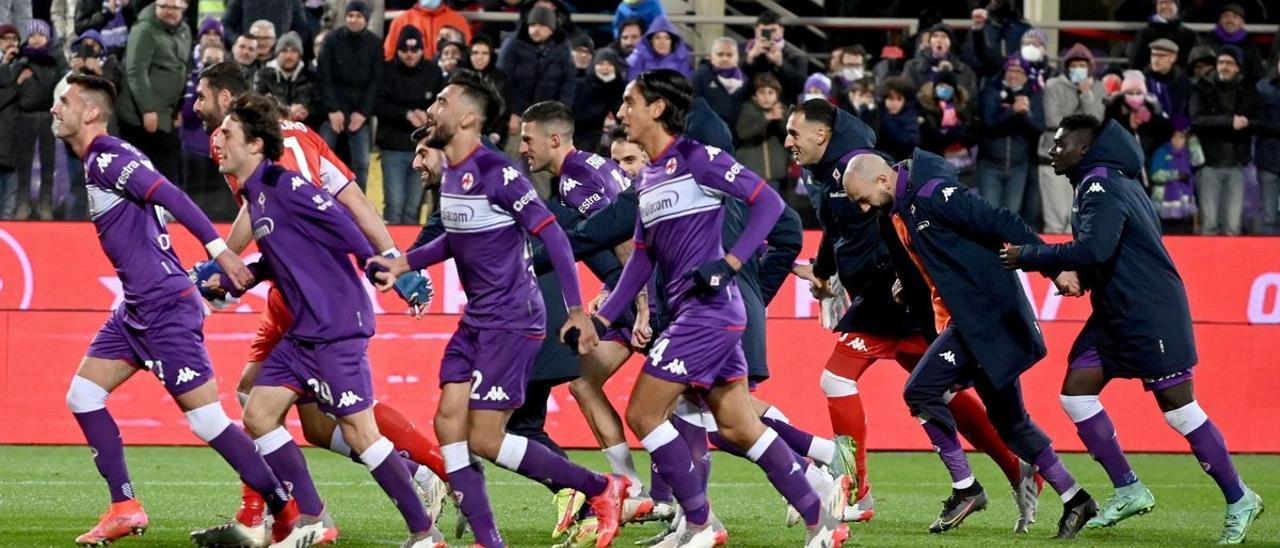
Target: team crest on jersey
(835, 174)
(468, 181)
(262, 201)
(671, 166)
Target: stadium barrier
(56, 287)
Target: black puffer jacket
(298, 88)
(537, 72)
(35, 94)
(348, 72)
(400, 90)
(1213, 104)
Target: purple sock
(536, 462)
(947, 444)
(1211, 450)
(1053, 471)
(798, 440)
(469, 490)
(410, 466)
(237, 449)
(658, 488)
(394, 479)
(103, 435)
(783, 468)
(1099, 437)
(695, 437)
(674, 461)
(722, 443)
(289, 465)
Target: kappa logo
(104, 161)
(712, 152)
(795, 467)
(857, 344)
(297, 182)
(1096, 187)
(185, 375)
(949, 356)
(947, 192)
(676, 367)
(496, 393)
(671, 166)
(568, 184)
(509, 174)
(468, 181)
(348, 399)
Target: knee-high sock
(973, 424)
(466, 479)
(1055, 474)
(536, 462)
(388, 470)
(694, 426)
(103, 435)
(848, 418)
(803, 443)
(677, 465)
(406, 437)
(1098, 433)
(238, 450)
(782, 466)
(947, 444)
(279, 450)
(1209, 447)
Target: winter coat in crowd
(1140, 48)
(595, 99)
(1152, 133)
(644, 10)
(290, 88)
(429, 22)
(1266, 125)
(400, 90)
(935, 137)
(899, 133)
(1008, 137)
(715, 85)
(157, 62)
(760, 143)
(919, 71)
(537, 72)
(347, 75)
(1172, 89)
(644, 58)
(286, 15)
(1213, 104)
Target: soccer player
(681, 196)
(982, 317)
(488, 206)
(1141, 323)
(306, 153)
(158, 326)
(823, 139)
(306, 239)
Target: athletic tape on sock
(208, 421)
(762, 444)
(619, 456)
(85, 395)
(456, 456)
(835, 386)
(1187, 418)
(242, 398)
(338, 443)
(511, 453)
(948, 396)
(273, 440)
(1080, 408)
(376, 453)
(775, 414)
(665, 433)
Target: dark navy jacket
(851, 245)
(956, 236)
(1141, 319)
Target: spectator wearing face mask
(1230, 31)
(899, 131)
(860, 100)
(816, 86)
(937, 57)
(1012, 121)
(1222, 106)
(1135, 108)
(1166, 80)
(721, 81)
(1073, 92)
(429, 16)
(946, 119)
(852, 64)
(599, 93)
(448, 56)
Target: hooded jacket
(429, 22)
(157, 61)
(644, 10)
(537, 72)
(954, 236)
(1141, 322)
(851, 245)
(645, 59)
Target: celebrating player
(1141, 323)
(306, 153)
(306, 238)
(982, 317)
(158, 327)
(488, 206)
(681, 194)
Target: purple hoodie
(645, 59)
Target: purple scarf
(1230, 37)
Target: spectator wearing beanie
(40, 66)
(538, 65)
(1267, 127)
(762, 130)
(289, 81)
(1230, 31)
(946, 118)
(662, 47)
(348, 85)
(1013, 120)
(816, 86)
(1139, 112)
(1073, 92)
(1222, 106)
(408, 86)
(429, 16)
(1165, 22)
(721, 81)
(211, 31)
(157, 61)
(599, 94)
(937, 56)
(1166, 80)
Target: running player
(681, 194)
(1141, 323)
(306, 153)
(982, 317)
(823, 138)
(306, 239)
(158, 326)
(488, 206)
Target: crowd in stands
(1205, 107)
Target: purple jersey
(305, 236)
(489, 208)
(120, 181)
(681, 193)
(589, 182)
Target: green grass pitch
(48, 495)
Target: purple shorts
(166, 338)
(496, 363)
(1089, 357)
(620, 335)
(697, 355)
(335, 373)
